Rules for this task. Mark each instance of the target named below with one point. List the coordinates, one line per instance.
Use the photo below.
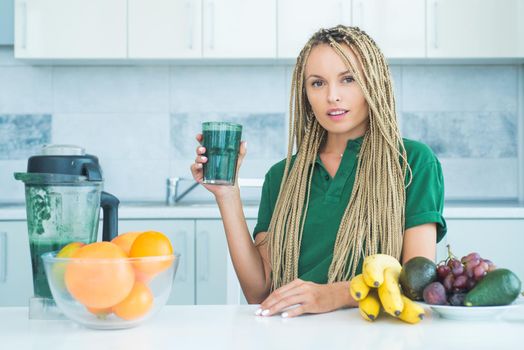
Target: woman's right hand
(198, 172)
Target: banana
(412, 312)
(369, 307)
(374, 266)
(358, 288)
(389, 292)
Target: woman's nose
(333, 95)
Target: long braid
(374, 217)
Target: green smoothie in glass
(222, 143)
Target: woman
(354, 187)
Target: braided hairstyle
(374, 216)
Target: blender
(63, 194)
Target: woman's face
(335, 97)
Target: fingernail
(265, 312)
(258, 312)
(199, 165)
(203, 158)
(201, 149)
(245, 144)
(285, 314)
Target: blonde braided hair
(374, 216)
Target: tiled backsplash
(141, 121)
(23, 134)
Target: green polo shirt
(330, 196)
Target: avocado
(498, 287)
(416, 274)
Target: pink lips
(337, 116)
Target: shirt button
(327, 177)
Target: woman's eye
(316, 83)
(349, 79)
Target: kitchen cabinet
(165, 28)
(216, 279)
(398, 27)
(182, 236)
(16, 284)
(472, 28)
(6, 22)
(500, 241)
(70, 29)
(299, 19)
(239, 28)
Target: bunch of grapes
(460, 276)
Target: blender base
(44, 309)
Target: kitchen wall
(141, 120)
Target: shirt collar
(351, 146)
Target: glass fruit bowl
(104, 293)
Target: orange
(125, 240)
(100, 313)
(101, 277)
(58, 268)
(151, 243)
(68, 250)
(136, 304)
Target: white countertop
(157, 210)
(236, 327)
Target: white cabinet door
(70, 29)
(473, 28)
(398, 27)
(239, 28)
(165, 28)
(217, 282)
(298, 20)
(500, 241)
(16, 283)
(182, 235)
(211, 262)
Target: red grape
(460, 282)
(448, 282)
(470, 256)
(442, 272)
(457, 270)
(471, 284)
(479, 272)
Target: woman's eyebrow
(318, 76)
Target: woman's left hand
(310, 298)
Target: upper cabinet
(398, 27)
(239, 28)
(245, 29)
(70, 29)
(298, 20)
(165, 28)
(472, 28)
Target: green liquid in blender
(39, 247)
(53, 224)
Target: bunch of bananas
(378, 284)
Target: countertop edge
(251, 212)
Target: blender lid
(62, 150)
(62, 163)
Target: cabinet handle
(189, 9)
(435, 25)
(203, 256)
(211, 25)
(182, 276)
(3, 256)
